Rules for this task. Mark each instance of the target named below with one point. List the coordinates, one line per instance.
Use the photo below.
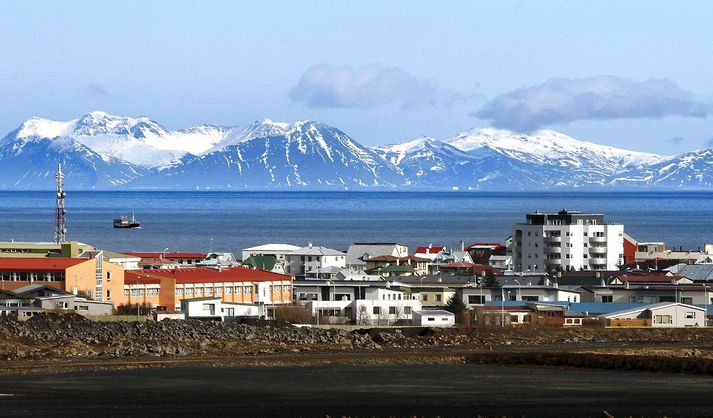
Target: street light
(519, 291)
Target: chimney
(462, 245)
(309, 244)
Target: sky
(632, 74)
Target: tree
(456, 306)
(491, 280)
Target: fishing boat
(125, 222)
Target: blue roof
(590, 308)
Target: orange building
(238, 284)
(92, 277)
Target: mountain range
(102, 151)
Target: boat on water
(125, 222)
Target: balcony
(597, 250)
(553, 261)
(553, 250)
(597, 260)
(553, 239)
(598, 239)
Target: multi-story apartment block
(566, 241)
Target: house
(264, 262)
(430, 252)
(68, 249)
(501, 262)
(236, 285)
(215, 309)
(658, 315)
(94, 278)
(694, 272)
(433, 318)
(359, 252)
(624, 279)
(480, 252)
(218, 261)
(374, 306)
(27, 301)
(307, 261)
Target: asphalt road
(356, 391)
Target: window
(662, 319)
(392, 310)
(376, 310)
(439, 298)
(108, 275)
(690, 315)
(475, 299)
(430, 319)
(607, 298)
(407, 310)
(425, 297)
(108, 293)
(687, 301)
(444, 319)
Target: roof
(262, 262)
(312, 250)
(485, 245)
(697, 272)
(167, 255)
(205, 275)
(395, 269)
(155, 261)
(435, 312)
(647, 278)
(39, 264)
(429, 250)
(458, 265)
(273, 247)
(23, 290)
(357, 251)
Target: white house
(308, 261)
(566, 240)
(378, 306)
(659, 315)
(433, 318)
(216, 309)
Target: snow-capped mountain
(269, 154)
(428, 162)
(99, 150)
(139, 141)
(692, 170)
(32, 163)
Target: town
(564, 269)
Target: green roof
(261, 262)
(396, 269)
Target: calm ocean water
(187, 221)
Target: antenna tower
(60, 232)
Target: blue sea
(230, 221)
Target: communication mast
(60, 232)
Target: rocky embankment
(54, 336)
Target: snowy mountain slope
(549, 147)
(303, 154)
(692, 170)
(105, 151)
(139, 141)
(32, 163)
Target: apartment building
(566, 241)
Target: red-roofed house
(430, 252)
(74, 275)
(237, 284)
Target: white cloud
(367, 86)
(605, 97)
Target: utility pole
(60, 232)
